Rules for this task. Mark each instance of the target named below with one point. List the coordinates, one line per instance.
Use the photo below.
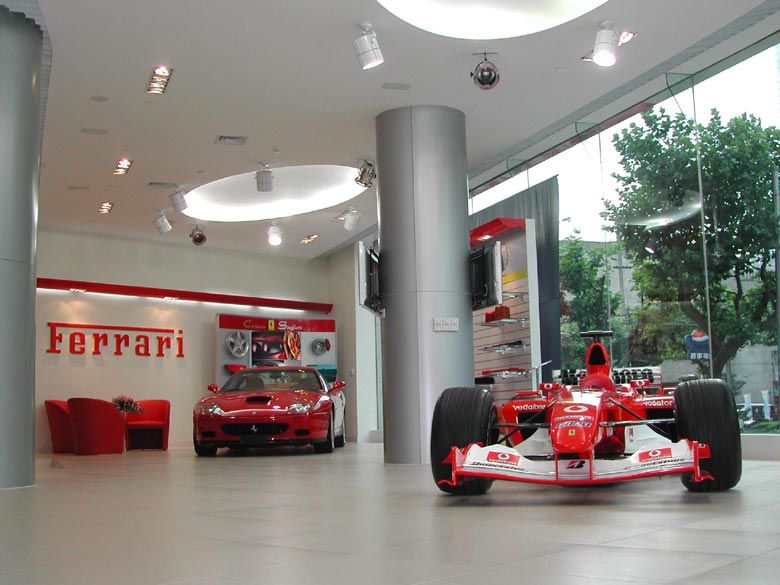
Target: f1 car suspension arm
(525, 425)
(643, 421)
(529, 424)
(634, 423)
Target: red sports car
(593, 427)
(271, 406)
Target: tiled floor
(291, 517)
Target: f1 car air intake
(581, 431)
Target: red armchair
(149, 429)
(59, 426)
(98, 427)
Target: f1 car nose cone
(571, 439)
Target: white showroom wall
(341, 279)
(357, 345)
(366, 334)
(185, 267)
(180, 380)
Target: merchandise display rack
(509, 373)
(523, 322)
(508, 347)
(503, 346)
(507, 339)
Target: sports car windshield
(273, 379)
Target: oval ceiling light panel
(488, 19)
(296, 190)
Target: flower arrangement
(126, 404)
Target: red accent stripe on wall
(110, 327)
(185, 295)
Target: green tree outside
(587, 302)
(658, 202)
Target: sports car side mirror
(337, 385)
(212, 388)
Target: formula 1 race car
(588, 430)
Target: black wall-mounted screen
(368, 277)
(485, 272)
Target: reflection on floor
(292, 517)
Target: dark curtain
(541, 204)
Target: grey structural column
(423, 230)
(20, 65)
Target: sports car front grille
(238, 429)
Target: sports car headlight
(210, 409)
(298, 408)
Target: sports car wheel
(461, 416)
(341, 440)
(705, 411)
(330, 443)
(203, 450)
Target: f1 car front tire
(705, 411)
(461, 416)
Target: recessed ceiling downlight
(488, 19)
(297, 190)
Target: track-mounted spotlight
(366, 174)
(605, 47)
(162, 224)
(367, 48)
(275, 235)
(351, 219)
(265, 180)
(178, 201)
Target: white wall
(366, 348)
(180, 380)
(341, 286)
(185, 267)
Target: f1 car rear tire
(461, 416)
(705, 411)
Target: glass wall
(669, 232)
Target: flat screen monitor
(368, 279)
(486, 277)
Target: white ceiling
(283, 73)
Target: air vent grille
(231, 140)
(397, 86)
(162, 185)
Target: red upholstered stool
(59, 426)
(98, 427)
(149, 429)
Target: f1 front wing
(503, 462)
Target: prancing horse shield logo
(254, 429)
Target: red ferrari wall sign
(83, 338)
